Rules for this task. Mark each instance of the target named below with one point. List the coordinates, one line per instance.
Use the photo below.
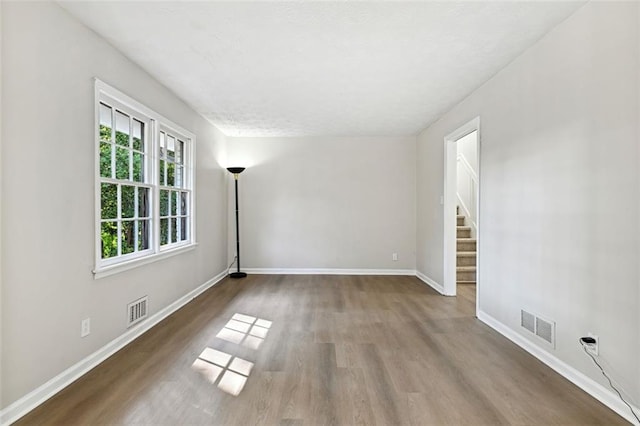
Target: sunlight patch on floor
(212, 363)
(233, 372)
(245, 330)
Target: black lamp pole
(236, 171)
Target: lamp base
(238, 274)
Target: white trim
(593, 388)
(188, 184)
(477, 216)
(432, 283)
(474, 185)
(467, 214)
(449, 208)
(153, 123)
(327, 271)
(467, 166)
(39, 395)
(465, 209)
(134, 263)
(1, 198)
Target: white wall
(468, 148)
(559, 173)
(466, 178)
(1, 350)
(638, 177)
(49, 61)
(326, 203)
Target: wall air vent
(528, 321)
(137, 311)
(544, 329)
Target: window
(174, 196)
(144, 183)
(124, 185)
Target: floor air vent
(544, 329)
(137, 311)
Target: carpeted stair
(466, 252)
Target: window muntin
(144, 183)
(125, 193)
(175, 196)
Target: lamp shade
(235, 170)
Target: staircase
(465, 252)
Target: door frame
(449, 206)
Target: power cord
(234, 261)
(585, 345)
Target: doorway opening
(461, 211)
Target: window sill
(125, 266)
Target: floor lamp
(236, 171)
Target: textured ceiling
(321, 68)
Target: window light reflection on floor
(212, 363)
(245, 330)
(233, 372)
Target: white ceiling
(321, 68)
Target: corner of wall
(1, 168)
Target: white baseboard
(39, 395)
(433, 284)
(593, 388)
(33, 399)
(327, 271)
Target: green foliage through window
(122, 160)
(129, 222)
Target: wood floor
(330, 350)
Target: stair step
(466, 244)
(466, 260)
(465, 282)
(469, 268)
(463, 232)
(465, 273)
(460, 220)
(466, 254)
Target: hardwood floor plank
(344, 350)
(353, 401)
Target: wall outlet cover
(594, 349)
(85, 328)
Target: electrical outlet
(595, 348)
(394, 256)
(85, 328)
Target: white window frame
(186, 187)
(109, 95)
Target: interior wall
(559, 167)
(1, 273)
(467, 148)
(638, 162)
(49, 61)
(326, 203)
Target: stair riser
(466, 276)
(463, 233)
(466, 246)
(466, 261)
(460, 221)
